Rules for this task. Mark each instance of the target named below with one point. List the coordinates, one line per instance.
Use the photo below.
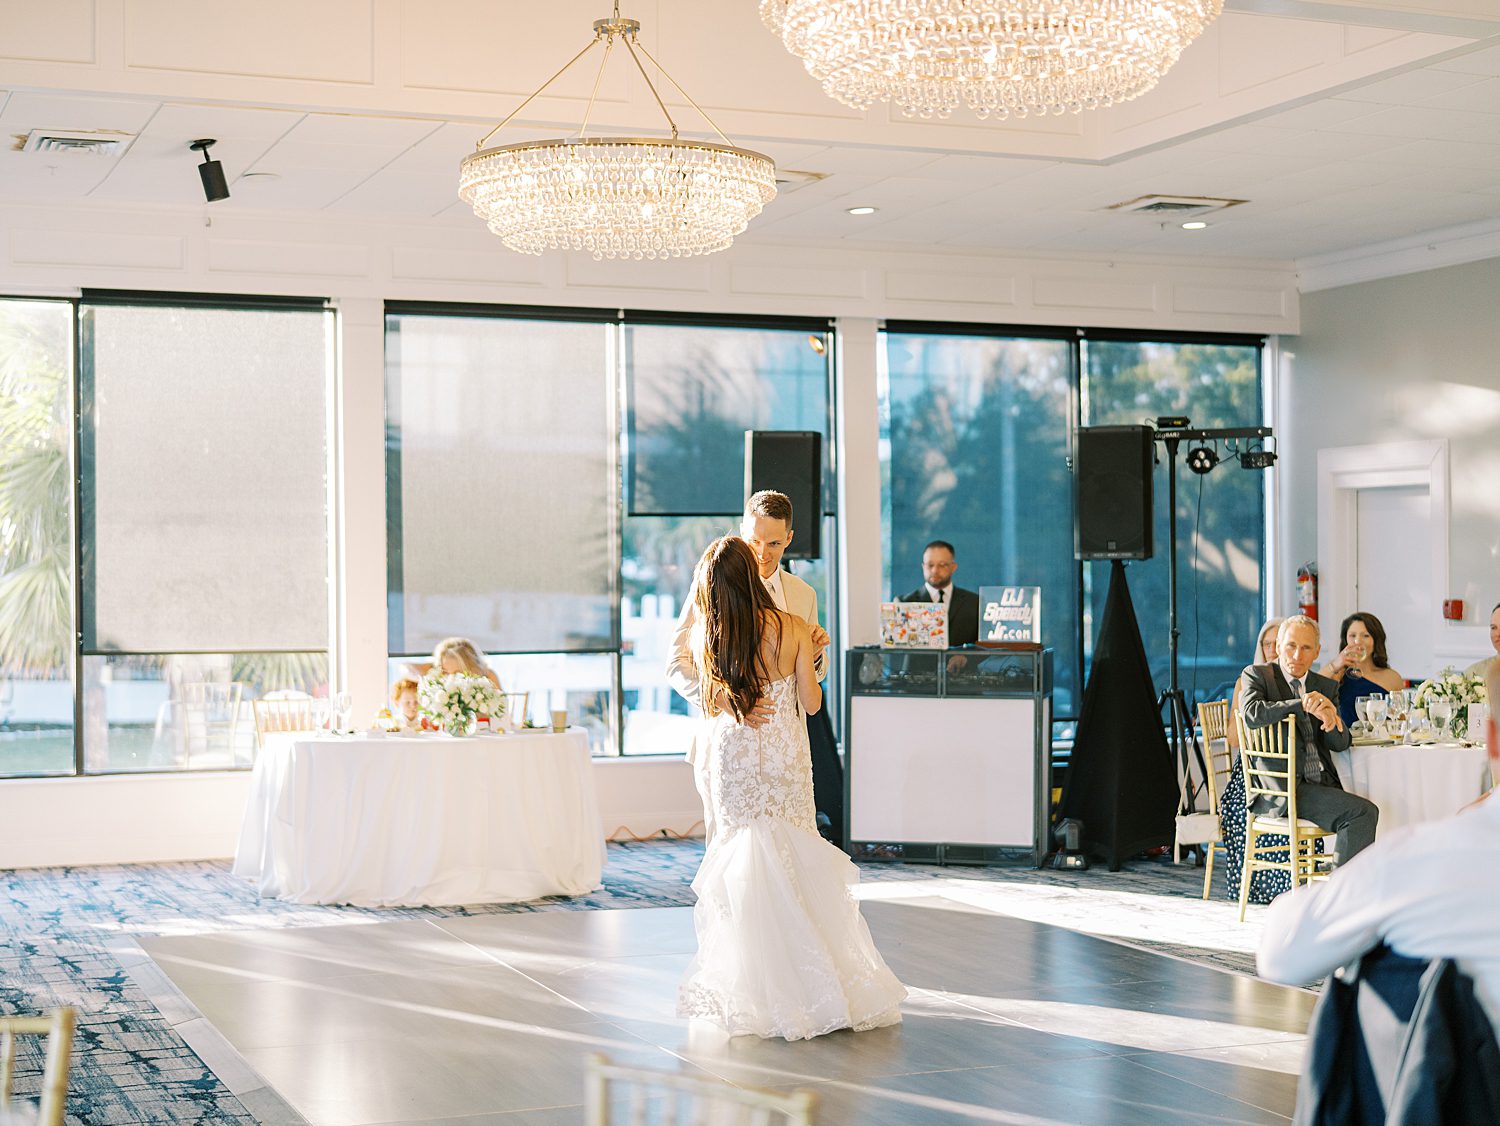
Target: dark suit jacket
(1399, 1040)
(963, 613)
(1266, 698)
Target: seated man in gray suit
(938, 565)
(1270, 693)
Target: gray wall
(1408, 358)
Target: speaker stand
(1184, 735)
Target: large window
(36, 537)
(975, 438)
(181, 444)
(203, 485)
(1220, 516)
(553, 478)
(692, 392)
(976, 432)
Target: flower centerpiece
(455, 701)
(1457, 688)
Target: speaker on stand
(790, 462)
(1121, 781)
(1112, 471)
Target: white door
(1393, 574)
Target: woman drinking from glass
(1362, 666)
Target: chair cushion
(1281, 825)
(1197, 828)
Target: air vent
(98, 142)
(789, 179)
(1172, 206)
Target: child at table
(404, 697)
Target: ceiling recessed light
(1195, 225)
(863, 210)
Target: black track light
(1201, 459)
(211, 172)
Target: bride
(782, 948)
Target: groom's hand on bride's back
(758, 716)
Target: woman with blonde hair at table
(1265, 653)
(458, 654)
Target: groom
(767, 528)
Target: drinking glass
(343, 710)
(1441, 712)
(1377, 710)
(1362, 710)
(1398, 709)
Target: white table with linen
(1412, 784)
(422, 819)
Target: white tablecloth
(422, 819)
(1412, 784)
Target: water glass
(343, 710)
(1441, 712)
(1377, 710)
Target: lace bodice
(760, 772)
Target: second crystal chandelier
(999, 58)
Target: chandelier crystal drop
(617, 197)
(998, 59)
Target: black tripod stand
(1183, 735)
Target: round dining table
(422, 819)
(1412, 784)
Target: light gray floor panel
(488, 1021)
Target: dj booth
(947, 753)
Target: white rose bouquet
(455, 701)
(1457, 688)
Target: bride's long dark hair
(732, 606)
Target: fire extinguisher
(1307, 590)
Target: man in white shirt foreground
(1428, 891)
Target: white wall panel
(1268, 302)
(951, 288)
(497, 265)
(246, 256)
(61, 31)
(329, 41)
(73, 247)
(1089, 294)
(799, 281)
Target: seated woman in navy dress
(1362, 666)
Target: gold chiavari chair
(616, 1094)
(1268, 756)
(1200, 827)
(57, 1027)
(293, 714)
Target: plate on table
(1372, 741)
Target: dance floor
(489, 1019)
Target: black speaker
(1112, 470)
(790, 462)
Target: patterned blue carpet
(66, 931)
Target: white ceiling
(1343, 123)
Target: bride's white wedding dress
(782, 948)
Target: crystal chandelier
(1000, 59)
(617, 197)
